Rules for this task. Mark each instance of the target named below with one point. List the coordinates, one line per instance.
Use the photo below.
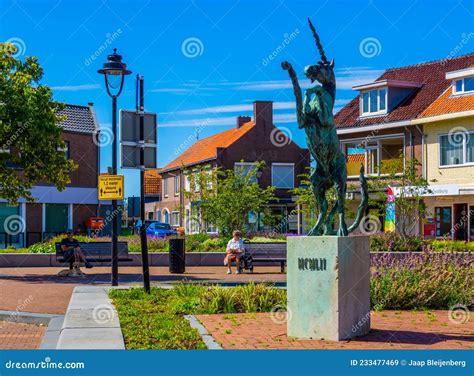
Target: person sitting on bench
(235, 249)
(72, 250)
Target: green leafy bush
(389, 241)
(452, 246)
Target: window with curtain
(451, 150)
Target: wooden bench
(96, 252)
(267, 252)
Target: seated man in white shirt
(235, 249)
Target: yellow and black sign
(110, 187)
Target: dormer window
(380, 97)
(464, 85)
(374, 102)
(463, 81)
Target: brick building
(55, 212)
(251, 140)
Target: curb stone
(208, 339)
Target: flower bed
(156, 321)
(435, 280)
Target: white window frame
(292, 177)
(176, 185)
(363, 142)
(462, 86)
(464, 151)
(172, 216)
(165, 187)
(164, 212)
(379, 111)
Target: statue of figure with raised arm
(315, 115)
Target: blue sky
(206, 87)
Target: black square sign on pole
(130, 142)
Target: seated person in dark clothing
(72, 250)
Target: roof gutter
(450, 116)
(187, 165)
(376, 127)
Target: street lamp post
(114, 71)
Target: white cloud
(76, 87)
(231, 108)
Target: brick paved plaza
(20, 336)
(39, 290)
(390, 330)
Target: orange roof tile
(206, 148)
(447, 103)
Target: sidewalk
(40, 290)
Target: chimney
(90, 104)
(263, 113)
(241, 120)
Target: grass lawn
(156, 321)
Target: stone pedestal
(328, 282)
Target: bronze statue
(315, 116)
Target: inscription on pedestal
(312, 264)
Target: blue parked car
(159, 229)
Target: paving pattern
(20, 336)
(40, 290)
(390, 330)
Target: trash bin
(177, 255)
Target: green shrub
(389, 241)
(246, 298)
(214, 245)
(452, 246)
(42, 248)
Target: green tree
(29, 134)
(226, 197)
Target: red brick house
(251, 140)
(55, 212)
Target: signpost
(111, 187)
(138, 141)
